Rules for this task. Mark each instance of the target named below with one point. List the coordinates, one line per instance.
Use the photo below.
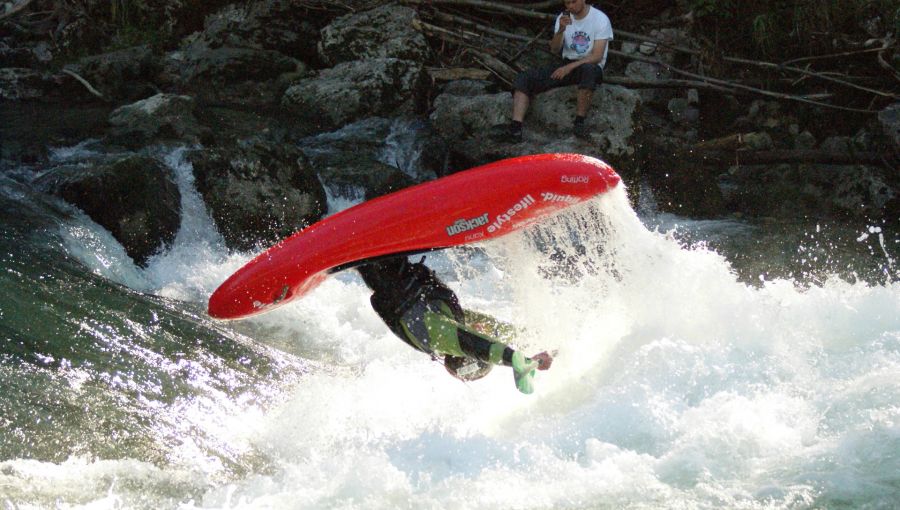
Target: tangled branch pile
(479, 38)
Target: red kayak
(467, 207)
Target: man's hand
(564, 21)
(561, 72)
(544, 360)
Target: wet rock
(233, 75)
(365, 155)
(384, 32)
(123, 74)
(355, 90)
(157, 118)
(135, 198)
(258, 191)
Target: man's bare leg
(583, 101)
(520, 106)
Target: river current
(700, 365)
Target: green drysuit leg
(433, 329)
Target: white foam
(676, 386)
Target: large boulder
(610, 120)
(468, 123)
(355, 90)
(823, 191)
(247, 53)
(362, 157)
(384, 32)
(232, 75)
(646, 71)
(158, 118)
(134, 197)
(258, 191)
(124, 74)
(276, 25)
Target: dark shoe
(581, 132)
(509, 133)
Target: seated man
(425, 313)
(581, 37)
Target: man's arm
(559, 37)
(556, 43)
(594, 58)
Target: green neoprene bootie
(523, 372)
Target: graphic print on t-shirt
(580, 42)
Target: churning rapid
(677, 384)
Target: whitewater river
(683, 380)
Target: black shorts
(537, 80)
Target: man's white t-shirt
(581, 34)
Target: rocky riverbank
(255, 89)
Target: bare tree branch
(710, 82)
(84, 82)
(739, 86)
(831, 55)
(487, 5)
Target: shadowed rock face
(258, 191)
(134, 197)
